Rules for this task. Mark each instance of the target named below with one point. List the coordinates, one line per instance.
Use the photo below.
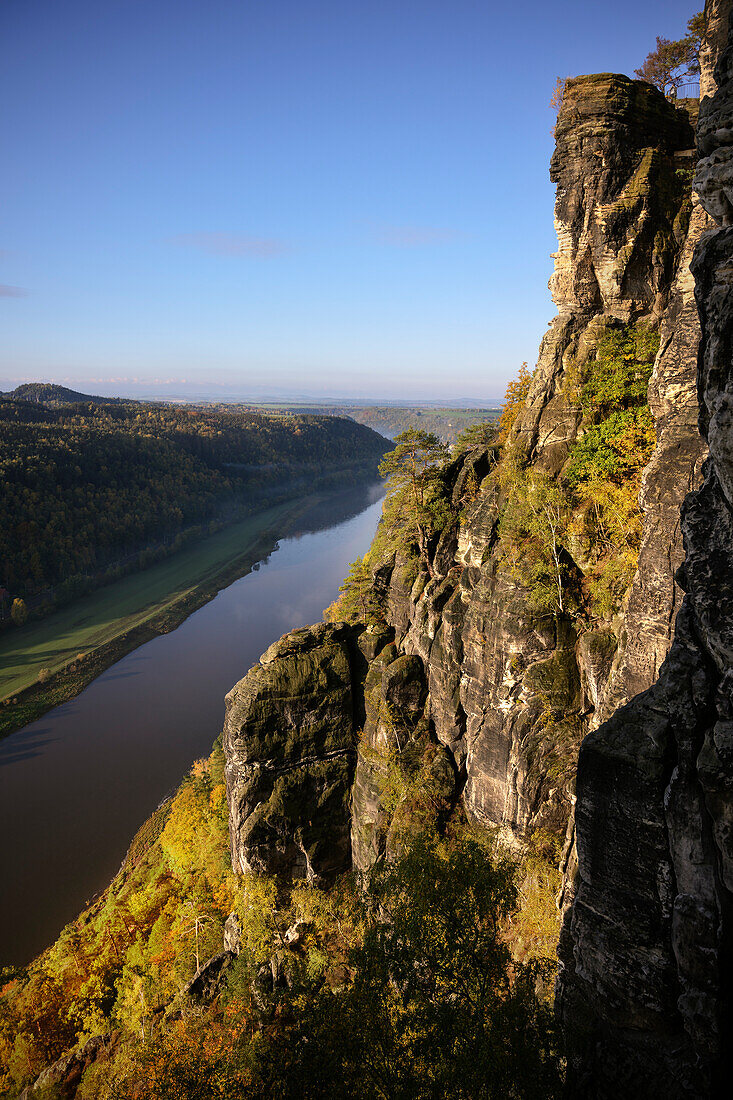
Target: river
(76, 784)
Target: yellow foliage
(514, 401)
(258, 915)
(200, 769)
(217, 798)
(532, 930)
(225, 894)
(124, 957)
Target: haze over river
(76, 785)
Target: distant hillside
(89, 489)
(46, 393)
(390, 420)
(445, 423)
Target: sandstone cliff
(492, 661)
(480, 694)
(645, 982)
(486, 665)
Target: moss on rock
(290, 743)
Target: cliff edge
(510, 686)
(645, 984)
(476, 689)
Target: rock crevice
(644, 990)
(458, 684)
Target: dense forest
(433, 983)
(390, 420)
(99, 487)
(48, 393)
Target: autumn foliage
(409, 989)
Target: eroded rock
(646, 982)
(290, 744)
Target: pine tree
(412, 469)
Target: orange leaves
(225, 895)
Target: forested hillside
(299, 1004)
(48, 393)
(301, 990)
(390, 420)
(89, 486)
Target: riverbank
(72, 647)
(76, 785)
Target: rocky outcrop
(290, 744)
(492, 662)
(621, 219)
(209, 979)
(482, 695)
(619, 231)
(61, 1079)
(646, 983)
(472, 669)
(396, 727)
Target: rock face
(623, 167)
(459, 684)
(291, 732)
(61, 1079)
(460, 687)
(621, 219)
(674, 468)
(290, 744)
(619, 223)
(208, 980)
(646, 983)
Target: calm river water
(75, 785)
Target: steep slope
(473, 671)
(646, 978)
(87, 487)
(503, 686)
(492, 659)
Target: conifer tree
(672, 63)
(412, 469)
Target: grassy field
(113, 620)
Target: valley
(89, 772)
(434, 797)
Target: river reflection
(75, 785)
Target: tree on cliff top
(358, 601)
(673, 63)
(412, 470)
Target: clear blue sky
(325, 196)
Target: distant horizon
(222, 393)
(326, 199)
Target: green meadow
(123, 608)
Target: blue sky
(313, 196)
